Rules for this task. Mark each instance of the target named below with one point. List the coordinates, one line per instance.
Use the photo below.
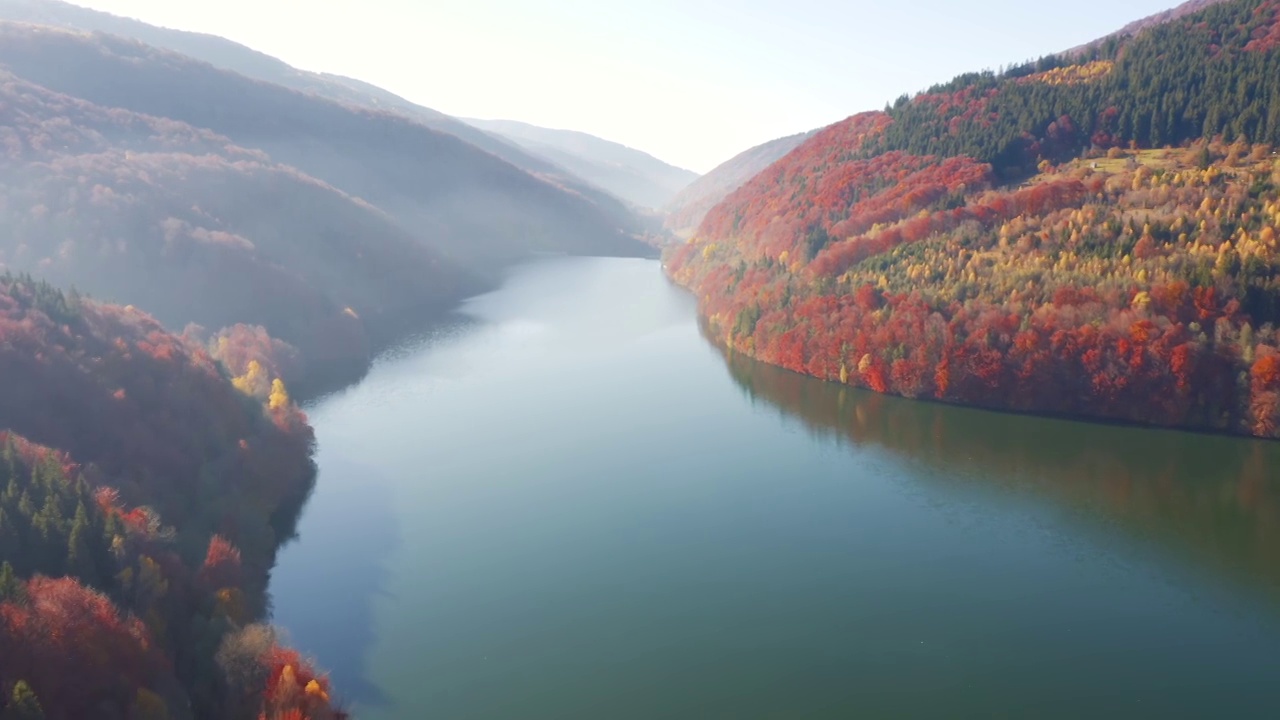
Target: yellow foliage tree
(314, 690)
(279, 398)
(254, 380)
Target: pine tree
(80, 560)
(48, 525)
(8, 460)
(11, 587)
(9, 538)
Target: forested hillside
(147, 178)
(488, 211)
(228, 55)
(1090, 234)
(686, 210)
(147, 480)
(158, 214)
(143, 496)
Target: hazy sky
(693, 82)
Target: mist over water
(568, 503)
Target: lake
(568, 503)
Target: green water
(569, 504)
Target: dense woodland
(1209, 74)
(144, 492)
(1092, 234)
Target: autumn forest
(1091, 234)
(194, 241)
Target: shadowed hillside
(491, 212)
(155, 213)
(237, 58)
(148, 178)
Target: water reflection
(330, 581)
(567, 509)
(1213, 500)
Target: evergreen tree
(48, 525)
(11, 587)
(80, 559)
(9, 537)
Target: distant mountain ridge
(633, 175)
(686, 210)
(426, 178)
(147, 177)
(229, 55)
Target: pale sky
(692, 82)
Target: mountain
(228, 55)
(1087, 235)
(159, 214)
(634, 176)
(147, 178)
(491, 211)
(686, 210)
(143, 497)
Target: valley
(317, 402)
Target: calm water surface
(570, 504)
